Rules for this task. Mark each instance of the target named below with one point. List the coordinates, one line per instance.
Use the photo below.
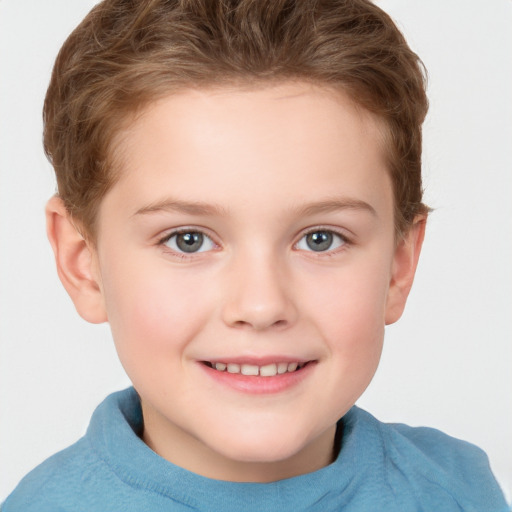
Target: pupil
(319, 240)
(189, 242)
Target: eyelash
(331, 252)
(182, 255)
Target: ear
(405, 261)
(76, 263)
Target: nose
(259, 294)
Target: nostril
(260, 326)
(241, 323)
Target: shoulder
(425, 459)
(75, 477)
(59, 476)
(430, 448)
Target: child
(239, 196)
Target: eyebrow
(189, 207)
(332, 205)
(207, 209)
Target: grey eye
(320, 241)
(190, 242)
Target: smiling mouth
(268, 370)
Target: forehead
(225, 145)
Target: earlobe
(405, 262)
(75, 260)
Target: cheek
(348, 306)
(151, 309)
(352, 294)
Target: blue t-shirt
(381, 467)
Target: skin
(255, 171)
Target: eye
(189, 242)
(321, 240)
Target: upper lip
(257, 361)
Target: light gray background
(445, 364)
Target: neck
(188, 452)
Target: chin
(249, 454)
(269, 447)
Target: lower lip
(259, 385)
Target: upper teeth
(268, 370)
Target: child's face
(252, 229)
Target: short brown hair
(127, 53)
